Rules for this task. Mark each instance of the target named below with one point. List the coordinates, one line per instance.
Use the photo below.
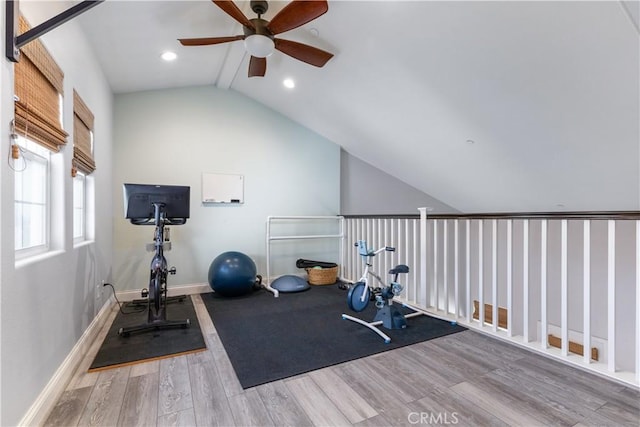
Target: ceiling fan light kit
(259, 34)
(259, 46)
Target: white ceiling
(548, 91)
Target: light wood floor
(462, 379)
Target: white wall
(366, 190)
(173, 136)
(47, 304)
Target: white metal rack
(269, 238)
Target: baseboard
(46, 401)
(195, 288)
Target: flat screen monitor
(139, 202)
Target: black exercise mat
(269, 338)
(156, 344)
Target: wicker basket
(322, 276)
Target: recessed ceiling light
(168, 56)
(289, 83)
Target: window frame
(31, 151)
(81, 210)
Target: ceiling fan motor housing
(260, 28)
(259, 7)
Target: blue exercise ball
(232, 274)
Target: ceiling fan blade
(234, 11)
(257, 67)
(204, 41)
(303, 52)
(295, 14)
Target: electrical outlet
(99, 290)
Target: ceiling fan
(259, 34)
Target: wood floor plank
(552, 385)
(619, 415)
(581, 380)
(184, 418)
(350, 403)
(449, 357)
(469, 352)
(174, 385)
(495, 405)
(103, 407)
(422, 359)
(140, 407)
(317, 405)
(398, 413)
(209, 398)
(497, 348)
(145, 368)
(401, 376)
(561, 406)
(225, 369)
(69, 407)
(282, 407)
(372, 388)
(445, 405)
(249, 411)
(377, 421)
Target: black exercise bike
(155, 296)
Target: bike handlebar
(377, 251)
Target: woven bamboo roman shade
(82, 129)
(38, 86)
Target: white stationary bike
(361, 292)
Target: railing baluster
(564, 291)
(510, 278)
(543, 285)
(494, 274)
(611, 296)
(468, 269)
(525, 281)
(417, 261)
(434, 285)
(423, 255)
(445, 264)
(388, 240)
(586, 291)
(638, 301)
(480, 274)
(456, 263)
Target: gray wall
(366, 190)
(174, 136)
(47, 303)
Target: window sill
(26, 261)
(82, 243)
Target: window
(82, 136)
(83, 166)
(79, 210)
(31, 189)
(39, 131)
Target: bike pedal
(144, 293)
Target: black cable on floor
(120, 304)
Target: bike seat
(401, 268)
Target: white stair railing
(575, 276)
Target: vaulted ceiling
(487, 106)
